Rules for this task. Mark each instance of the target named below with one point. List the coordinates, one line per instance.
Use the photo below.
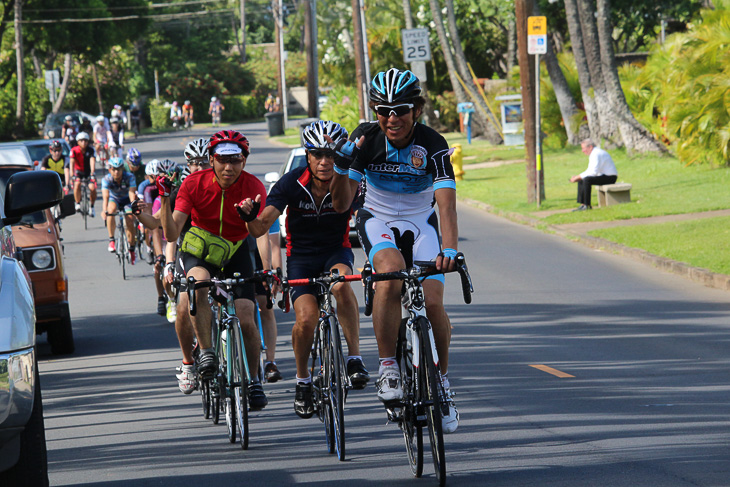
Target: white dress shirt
(599, 164)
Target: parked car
(38, 237)
(298, 158)
(38, 149)
(23, 458)
(54, 122)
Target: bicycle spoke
(241, 385)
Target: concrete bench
(613, 194)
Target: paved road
(647, 403)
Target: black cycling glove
(249, 217)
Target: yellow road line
(552, 371)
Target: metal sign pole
(538, 151)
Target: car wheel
(61, 337)
(32, 467)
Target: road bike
(424, 397)
(227, 390)
(121, 244)
(102, 152)
(85, 201)
(330, 382)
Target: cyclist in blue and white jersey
(317, 241)
(118, 189)
(407, 168)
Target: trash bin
(275, 121)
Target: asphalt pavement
(572, 367)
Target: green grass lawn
(701, 243)
(661, 186)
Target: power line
(161, 17)
(131, 7)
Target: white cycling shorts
(417, 237)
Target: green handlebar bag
(213, 249)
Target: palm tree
(634, 135)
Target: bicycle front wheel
(324, 397)
(410, 425)
(240, 384)
(85, 205)
(337, 387)
(122, 246)
(432, 391)
(205, 396)
(227, 390)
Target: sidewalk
(579, 232)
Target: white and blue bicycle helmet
(116, 162)
(313, 135)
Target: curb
(695, 274)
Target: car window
(13, 156)
(38, 152)
(298, 161)
(31, 218)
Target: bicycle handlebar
(326, 279)
(190, 285)
(419, 270)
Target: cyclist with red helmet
(407, 170)
(208, 198)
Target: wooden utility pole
(310, 44)
(275, 9)
(523, 9)
(362, 96)
(19, 131)
(242, 6)
(95, 74)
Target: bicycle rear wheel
(410, 424)
(432, 392)
(337, 388)
(240, 384)
(205, 396)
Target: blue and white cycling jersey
(119, 191)
(401, 181)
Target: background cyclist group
(394, 174)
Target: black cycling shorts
(240, 262)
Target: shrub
(243, 107)
(342, 107)
(446, 103)
(159, 114)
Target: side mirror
(30, 191)
(67, 206)
(271, 177)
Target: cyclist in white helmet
(317, 241)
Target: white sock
(387, 363)
(445, 380)
(306, 380)
(350, 357)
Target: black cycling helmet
(394, 86)
(55, 145)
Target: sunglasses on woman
(397, 110)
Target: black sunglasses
(320, 153)
(397, 110)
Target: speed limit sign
(415, 45)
